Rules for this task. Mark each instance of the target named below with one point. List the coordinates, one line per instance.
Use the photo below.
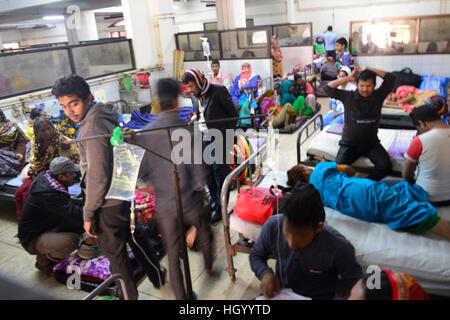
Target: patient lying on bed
(402, 206)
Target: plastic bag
(127, 161)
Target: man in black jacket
(51, 224)
(362, 114)
(214, 102)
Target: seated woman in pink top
(407, 98)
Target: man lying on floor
(51, 224)
(402, 206)
(310, 254)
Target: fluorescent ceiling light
(53, 18)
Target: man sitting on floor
(51, 224)
(310, 254)
(429, 152)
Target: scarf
(299, 90)
(245, 76)
(40, 159)
(200, 79)
(55, 184)
(404, 287)
(9, 131)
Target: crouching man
(51, 224)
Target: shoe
(216, 217)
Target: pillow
(95, 270)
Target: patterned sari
(41, 157)
(12, 147)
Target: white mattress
(393, 112)
(327, 144)
(426, 257)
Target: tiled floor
(16, 264)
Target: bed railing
(305, 128)
(232, 249)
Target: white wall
(40, 36)
(30, 36)
(339, 13)
(103, 27)
(433, 64)
(109, 89)
(321, 13)
(296, 55)
(190, 17)
(11, 35)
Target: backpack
(406, 77)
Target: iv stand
(176, 181)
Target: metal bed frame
(305, 128)
(309, 161)
(243, 244)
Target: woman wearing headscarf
(247, 81)
(213, 102)
(393, 285)
(12, 147)
(46, 144)
(277, 56)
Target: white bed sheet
(327, 144)
(426, 257)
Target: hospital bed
(426, 257)
(326, 143)
(392, 118)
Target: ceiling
(20, 13)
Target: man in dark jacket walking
(158, 173)
(214, 102)
(50, 224)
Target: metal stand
(187, 274)
(106, 283)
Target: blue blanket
(140, 120)
(400, 206)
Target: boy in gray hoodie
(107, 220)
